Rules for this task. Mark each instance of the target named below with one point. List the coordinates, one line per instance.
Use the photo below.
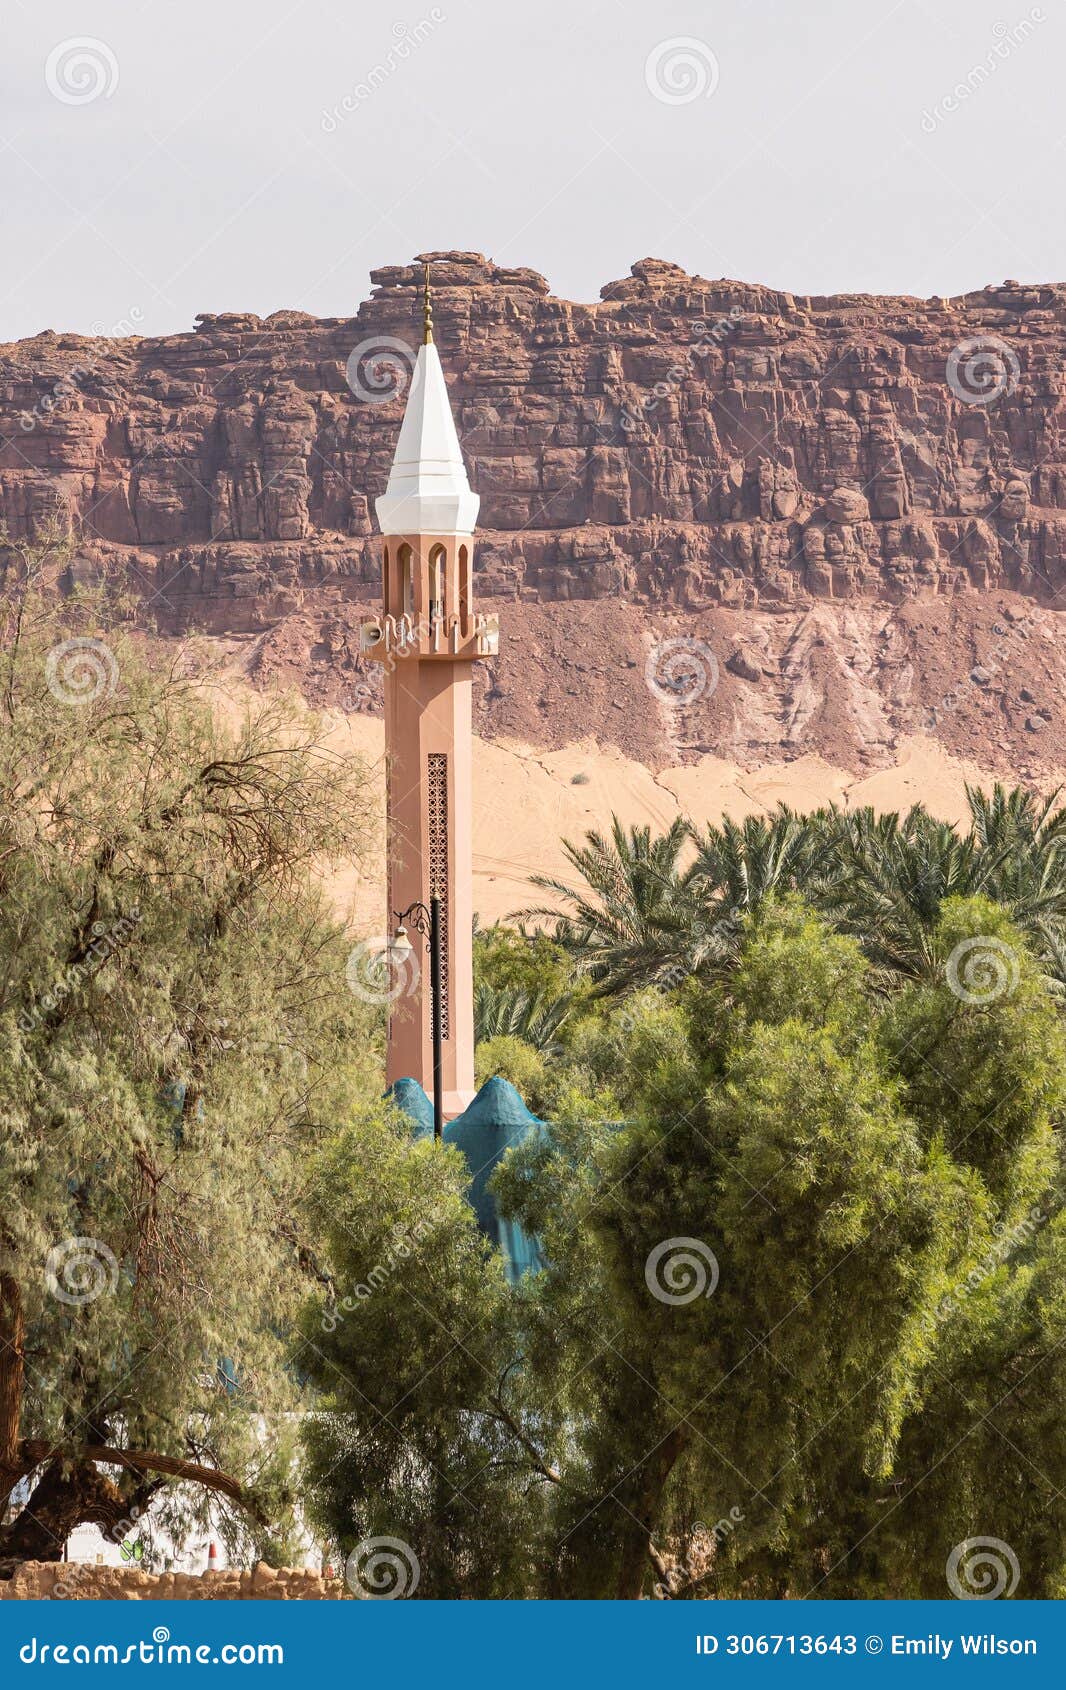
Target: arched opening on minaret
(437, 605)
(464, 587)
(407, 586)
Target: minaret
(427, 637)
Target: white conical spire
(428, 491)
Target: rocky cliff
(857, 505)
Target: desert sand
(527, 801)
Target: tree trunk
(642, 1500)
(72, 1491)
(12, 1363)
(63, 1497)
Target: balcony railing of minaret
(476, 635)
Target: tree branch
(500, 1413)
(141, 1461)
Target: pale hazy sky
(197, 155)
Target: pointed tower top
(427, 313)
(428, 490)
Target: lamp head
(401, 948)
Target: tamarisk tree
(175, 1038)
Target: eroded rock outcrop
(679, 441)
(688, 447)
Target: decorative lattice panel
(438, 870)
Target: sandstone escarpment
(699, 450)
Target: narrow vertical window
(407, 592)
(436, 584)
(464, 587)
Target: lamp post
(427, 922)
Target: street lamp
(427, 922)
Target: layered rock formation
(727, 460)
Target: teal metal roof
(496, 1120)
(408, 1095)
(485, 1131)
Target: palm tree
(739, 866)
(897, 871)
(1014, 817)
(1027, 835)
(511, 1013)
(641, 919)
(630, 917)
(636, 917)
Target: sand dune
(526, 801)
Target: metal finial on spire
(427, 314)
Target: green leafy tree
(527, 1003)
(420, 1437)
(521, 960)
(801, 1327)
(177, 1037)
(520, 1063)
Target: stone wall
(77, 1581)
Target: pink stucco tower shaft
(428, 637)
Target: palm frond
(515, 1014)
